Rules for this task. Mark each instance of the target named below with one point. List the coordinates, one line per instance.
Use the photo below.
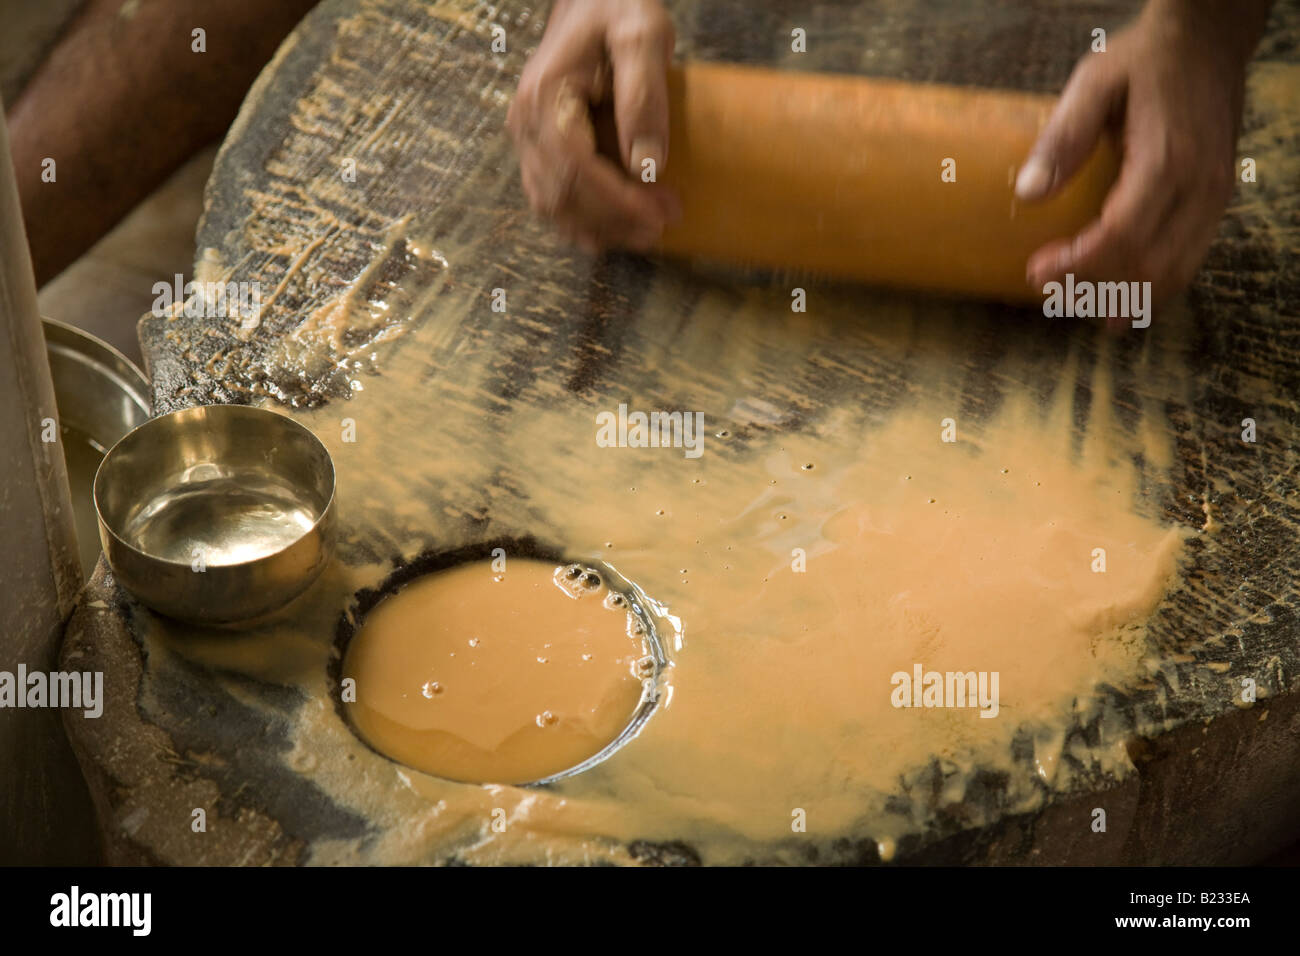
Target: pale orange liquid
(505, 677)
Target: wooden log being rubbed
(845, 176)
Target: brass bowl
(218, 514)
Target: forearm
(123, 100)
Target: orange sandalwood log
(843, 175)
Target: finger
(568, 65)
(640, 49)
(614, 211)
(1120, 239)
(569, 181)
(591, 201)
(546, 185)
(1090, 99)
(561, 136)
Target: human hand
(593, 49)
(1172, 84)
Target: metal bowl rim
(325, 512)
(128, 368)
(646, 609)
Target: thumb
(640, 49)
(1091, 97)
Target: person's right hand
(590, 49)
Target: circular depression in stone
(516, 675)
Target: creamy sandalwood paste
(502, 674)
(794, 574)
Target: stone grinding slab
(415, 96)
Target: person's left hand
(1173, 85)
